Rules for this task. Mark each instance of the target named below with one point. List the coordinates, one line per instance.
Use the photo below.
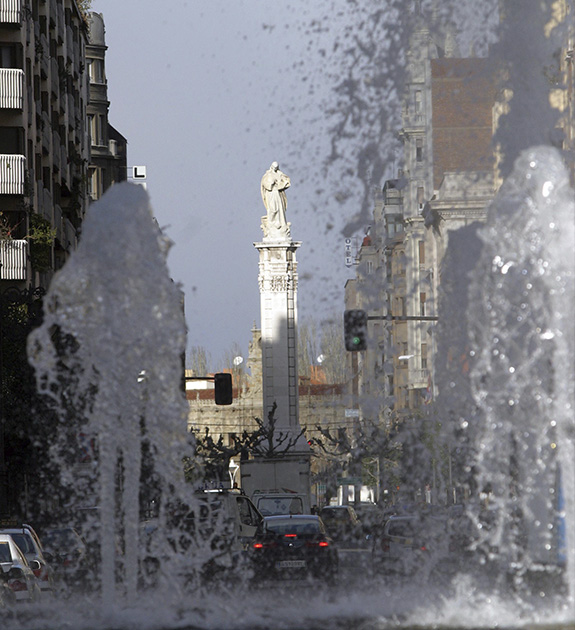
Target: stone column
(278, 294)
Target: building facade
(449, 176)
(108, 148)
(44, 146)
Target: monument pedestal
(278, 298)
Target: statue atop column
(273, 186)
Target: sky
(208, 94)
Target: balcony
(10, 11)
(11, 88)
(13, 256)
(418, 379)
(12, 174)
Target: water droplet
(547, 188)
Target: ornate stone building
(320, 404)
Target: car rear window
(290, 526)
(24, 542)
(335, 515)
(5, 555)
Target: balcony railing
(10, 11)
(13, 255)
(11, 92)
(12, 174)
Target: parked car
(370, 516)
(294, 547)
(67, 551)
(29, 543)
(343, 524)
(222, 522)
(16, 572)
(408, 543)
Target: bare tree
(271, 443)
(333, 351)
(323, 340)
(308, 347)
(233, 362)
(368, 441)
(212, 456)
(198, 360)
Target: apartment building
(449, 176)
(445, 183)
(108, 147)
(44, 146)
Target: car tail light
(17, 585)
(320, 543)
(264, 545)
(290, 535)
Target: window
(418, 103)
(421, 252)
(95, 183)
(420, 195)
(419, 150)
(422, 298)
(424, 356)
(400, 306)
(7, 56)
(96, 124)
(96, 70)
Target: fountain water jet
(109, 354)
(511, 408)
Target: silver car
(17, 572)
(29, 543)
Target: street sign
(352, 413)
(348, 255)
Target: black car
(294, 547)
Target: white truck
(277, 485)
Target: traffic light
(223, 388)
(355, 330)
